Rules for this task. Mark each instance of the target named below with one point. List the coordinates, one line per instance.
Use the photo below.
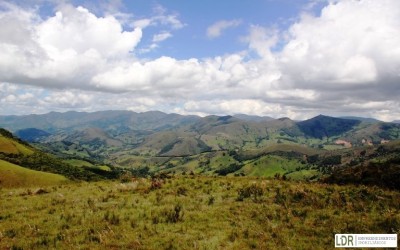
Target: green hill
(378, 166)
(101, 134)
(31, 134)
(325, 126)
(11, 145)
(12, 175)
(19, 153)
(153, 142)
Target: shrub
(175, 215)
(253, 191)
(230, 169)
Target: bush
(230, 169)
(175, 215)
(253, 191)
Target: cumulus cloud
(343, 60)
(349, 43)
(79, 31)
(216, 29)
(65, 50)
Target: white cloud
(67, 99)
(142, 23)
(161, 17)
(345, 60)
(161, 36)
(64, 50)
(262, 41)
(216, 29)
(352, 42)
(78, 30)
(238, 106)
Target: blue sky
(293, 58)
(192, 40)
(196, 16)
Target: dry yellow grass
(9, 146)
(194, 212)
(12, 175)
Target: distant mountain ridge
(118, 119)
(253, 118)
(158, 133)
(363, 119)
(32, 134)
(324, 126)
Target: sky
(278, 58)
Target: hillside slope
(19, 153)
(325, 126)
(12, 175)
(11, 145)
(378, 166)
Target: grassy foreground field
(12, 175)
(193, 212)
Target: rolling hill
(107, 120)
(152, 142)
(155, 133)
(18, 157)
(324, 126)
(379, 165)
(12, 175)
(11, 145)
(31, 134)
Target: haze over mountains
(108, 143)
(158, 133)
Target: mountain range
(159, 134)
(105, 144)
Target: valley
(153, 142)
(124, 180)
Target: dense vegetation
(380, 167)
